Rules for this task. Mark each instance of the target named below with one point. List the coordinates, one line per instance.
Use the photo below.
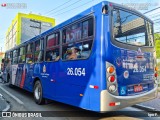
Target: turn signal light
(110, 69)
(156, 68)
(111, 78)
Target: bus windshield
(132, 29)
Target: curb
(7, 105)
(145, 108)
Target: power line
(66, 7)
(156, 19)
(73, 8)
(57, 7)
(157, 22)
(151, 10)
(154, 15)
(157, 28)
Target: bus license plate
(138, 88)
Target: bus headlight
(156, 68)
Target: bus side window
(86, 49)
(72, 51)
(38, 54)
(11, 56)
(87, 29)
(15, 56)
(21, 57)
(52, 48)
(52, 55)
(72, 33)
(29, 53)
(80, 47)
(64, 36)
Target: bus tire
(11, 86)
(38, 94)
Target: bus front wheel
(38, 97)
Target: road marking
(14, 97)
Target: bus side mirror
(3, 60)
(105, 9)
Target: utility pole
(37, 27)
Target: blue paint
(59, 86)
(123, 90)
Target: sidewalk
(155, 103)
(4, 106)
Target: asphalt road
(21, 100)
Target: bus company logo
(44, 68)
(139, 52)
(140, 55)
(119, 61)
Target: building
(26, 26)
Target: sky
(61, 11)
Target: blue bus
(102, 59)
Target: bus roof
(78, 16)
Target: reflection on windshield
(132, 29)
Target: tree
(157, 36)
(157, 41)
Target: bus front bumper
(110, 102)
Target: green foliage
(158, 48)
(157, 36)
(157, 40)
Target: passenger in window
(57, 58)
(54, 56)
(66, 54)
(37, 47)
(29, 58)
(74, 53)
